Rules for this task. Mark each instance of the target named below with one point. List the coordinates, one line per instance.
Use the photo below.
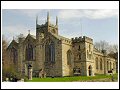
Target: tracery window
(29, 52)
(50, 52)
(14, 54)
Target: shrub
(25, 78)
(11, 74)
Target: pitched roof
(13, 43)
(33, 36)
(60, 37)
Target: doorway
(90, 70)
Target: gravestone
(29, 72)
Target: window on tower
(54, 31)
(89, 48)
(87, 54)
(79, 48)
(79, 56)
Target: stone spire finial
(56, 20)
(48, 17)
(36, 19)
(28, 31)
(13, 38)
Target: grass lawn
(75, 78)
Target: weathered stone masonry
(50, 54)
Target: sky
(98, 24)
(95, 19)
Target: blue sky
(98, 24)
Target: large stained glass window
(29, 52)
(14, 55)
(50, 52)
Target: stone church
(50, 54)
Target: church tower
(42, 30)
(42, 33)
(83, 55)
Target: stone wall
(66, 69)
(99, 56)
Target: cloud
(10, 31)
(28, 12)
(91, 13)
(69, 14)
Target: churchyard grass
(97, 78)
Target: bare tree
(102, 45)
(4, 52)
(8, 67)
(115, 47)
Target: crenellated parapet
(82, 39)
(47, 26)
(67, 41)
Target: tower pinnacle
(28, 31)
(36, 20)
(48, 17)
(56, 20)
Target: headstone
(7, 79)
(22, 79)
(44, 75)
(29, 72)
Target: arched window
(89, 48)
(79, 56)
(54, 31)
(50, 52)
(79, 48)
(101, 64)
(46, 52)
(113, 66)
(87, 54)
(90, 56)
(14, 55)
(110, 66)
(68, 57)
(29, 52)
(107, 65)
(96, 63)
